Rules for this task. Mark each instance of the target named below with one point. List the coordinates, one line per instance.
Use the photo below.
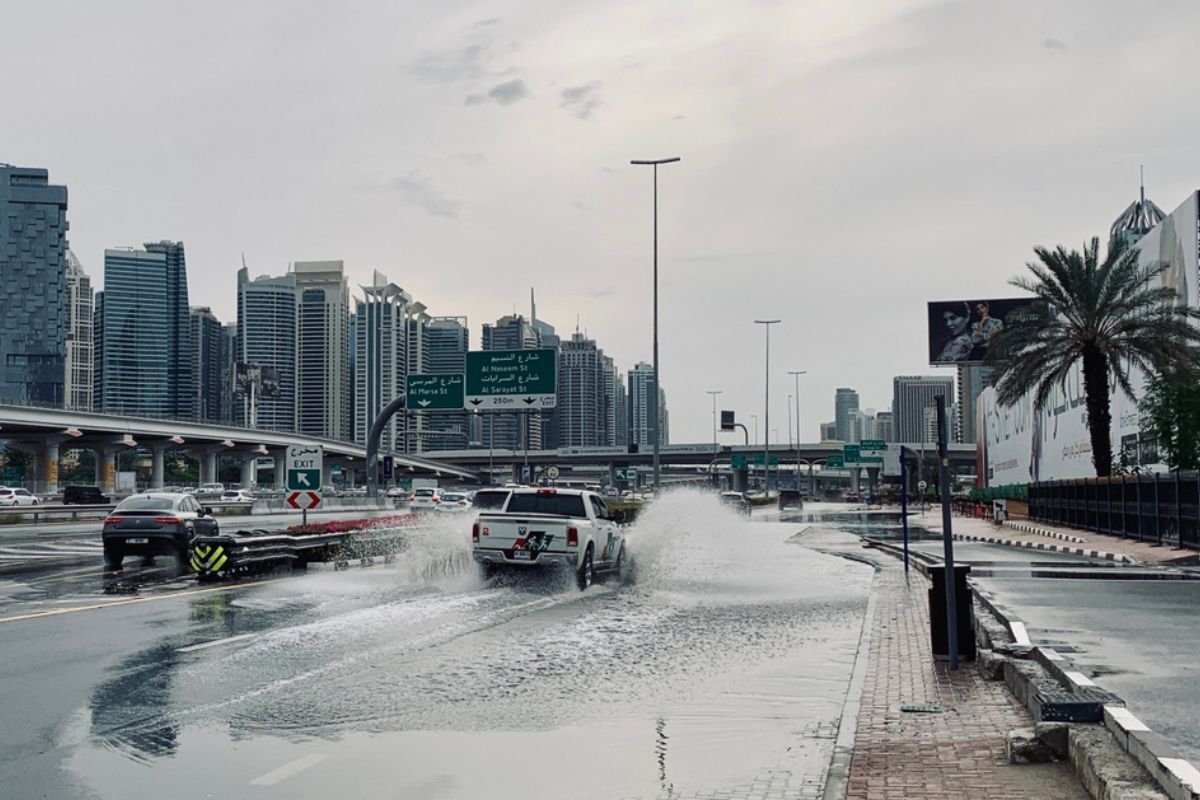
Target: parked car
(397, 492)
(426, 499)
(558, 527)
(155, 524)
(736, 501)
(210, 490)
(16, 497)
(84, 495)
(236, 496)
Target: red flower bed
(349, 525)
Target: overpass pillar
(280, 457)
(208, 464)
(249, 462)
(517, 472)
(106, 469)
(47, 464)
(158, 453)
(326, 473)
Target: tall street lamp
(796, 373)
(755, 418)
(657, 387)
(714, 398)
(767, 323)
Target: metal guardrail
(1160, 508)
(231, 555)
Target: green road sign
(834, 462)
(435, 393)
(737, 461)
(625, 473)
(852, 456)
(512, 380)
(304, 480)
(872, 445)
(304, 463)
(772, 461)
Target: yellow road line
(57, 611)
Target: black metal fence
(1161, 508)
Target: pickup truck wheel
(487, 571)
(587, 572)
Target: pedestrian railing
(1163, 508)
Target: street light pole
(714, 399)
(767, 323)
(796, 373)
(657, 386)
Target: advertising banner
(960, 330)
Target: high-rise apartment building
(266, 337)
(519, 430)
(971, 380)
(34, 313)
(79, 367)
(322, 349)
(229, 359)
(446, 345)
(644, 402)
(885, 427)
(615, 429)
(136, 336)
(829, 432)
(547, 337)
(98, 351)
(583, 387)
(207, 335)
(911, 394)
(844, 401)
(380, 359)
(181, 392)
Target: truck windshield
(564, 505)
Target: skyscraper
(446, 345)
(884, 427)
(34, 314)
(380, 359)
(229, 359)
(181, 392)
(643, 401)
(79, 369)
(911, 394)
(971, 380)
(266, 337)
(98, 351)
(207, 336)
(844, 401)
(583, 386)
(518, 430)
(322, 349)
(136, 343)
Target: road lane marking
(58, 611)
(227, 640)
(288, 770)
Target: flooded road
(724, 659)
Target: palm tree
(1112, 315)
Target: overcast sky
(843, 161)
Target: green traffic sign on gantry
(434, 392)
(852, 456)
(834, 462)
(737, 461)
(512, 380)
(872, 445)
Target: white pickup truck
(560, 527)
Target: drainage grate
(924, 709)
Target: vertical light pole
(789, 408)
(796, 373)
(714, 398)
(657, 387)
(767, 323)
(755, 418)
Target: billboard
(960, 330)
(246, 376)
(269, 388)
(1020, 446)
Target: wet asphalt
(725, 654)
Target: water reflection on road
(726, 658)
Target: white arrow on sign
(303, 478)
(423, 403)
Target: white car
(236, 496)
(16, 497)
(559, 527)
(210, 490)
(397, 493)
(454, 503)
(426, 499)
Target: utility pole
(767, 323)
(714, 404)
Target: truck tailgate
(535, 533)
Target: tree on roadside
(1172, 406)
(1111, 315)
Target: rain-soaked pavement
(727, 656)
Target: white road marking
(215, 642)
(288, 770)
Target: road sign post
(305, 466)
(433, 392)
(512, 380)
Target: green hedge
(1013, 491)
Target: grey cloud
(490, 22)
(1053, 44)
(581, 205)
(415, 189)
(474, 159)
(679, 116)
(455, 64)
(581, 100)
(505, 94)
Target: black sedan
(155, 524)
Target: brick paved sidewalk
(958, 754)
(1142, 552)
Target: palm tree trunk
(1099, 415)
